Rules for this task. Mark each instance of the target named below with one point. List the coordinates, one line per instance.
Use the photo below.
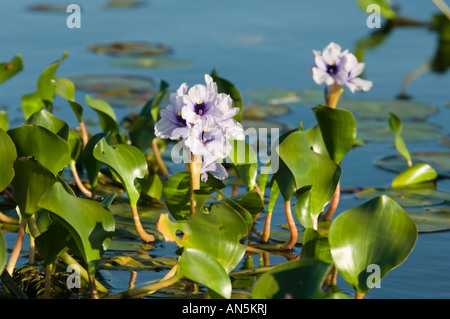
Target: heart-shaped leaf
(127, 161)
(52, 123)
(105, 114)
(418, 173)
(338, 127)
(10, 68)
(45, 146)
(379, 233)
(90, 223)
(7, 157)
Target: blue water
(255, 44)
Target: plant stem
(48, 281)
(92, 287)
(138, 226)
(292, 227)
(17, 247)
(78, 181)
(359, 295)
(169, 279)
(266, 232)
(333, 96)
(84, 134)
(194, 167)
(334, 203)
(162, 166)
(8, 220)
(32, 251)
(314, 222)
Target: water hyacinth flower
(202, 120)
(334, 66)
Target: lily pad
(408, 196)
(273, 96)
(257, 124)
(43, 7)
(380, 108)
(144, 63)
(126, 97)
(109, 82)
(118, 4)
(431, 220)
(130, 49)
(440, 161)
(262, 111)
(373, 130)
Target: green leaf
(50, 122)
(127, 161)
(396, 126)
(90, 223)
(10, 68)
(245, 161)
(310, 169)
(202, 268)
(418, 173)
(302, 207)
(217, 232)
(47, 148)
(315, 245)
(7, 157)
(315, 140)
(91, 164)
(32, 180)
(225, 86)
(31, 103)
(379, 233)
(4, 120)
(51, 243)
(45, 88)
(151, 109)
(142, 132)
(105, 114)
(297, 279)
(338, 127)
(66, 89)
(3, 253)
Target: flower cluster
(334, 66)
(202, 119)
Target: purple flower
(215, 169)
(340, 67)
(172, 125)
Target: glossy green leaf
(225, 86)
(310, 169)
(50, 122)
(396, 126)
(51, 243)
(379, 233)
(7, 157)
(91, 164)
(297, 279)
(151, 108)
(3, 253)
(90, 223)
(45, 87)
(65, 88)
(32, 180)
(142, 132)
(127, 161)
(418, 173)
(440, 161)
(315, 245)
(105, 114)
(47, 148)
(338, 127)
(411, 196)
(31, 103)
(10, 68)
(244, 159)
(201, 267)
(4, 125)
(302, 208)
(217, 232)
(314, 137)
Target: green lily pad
(109, 82)
(312, 97)
(273, 96)
(46, 7)
(445, 142)
(130, 49)
(440, 161)
(137, 262)
(408, 196)
(431, 220)
(257, 124)
(380, 108)
(373, 130)
(144, 63)
(119, 4)
(126, 97)
(262, 111)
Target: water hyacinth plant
(74, 219)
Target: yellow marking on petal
(331, 63)
(199, 102)
(179, 113)
(206, 130)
